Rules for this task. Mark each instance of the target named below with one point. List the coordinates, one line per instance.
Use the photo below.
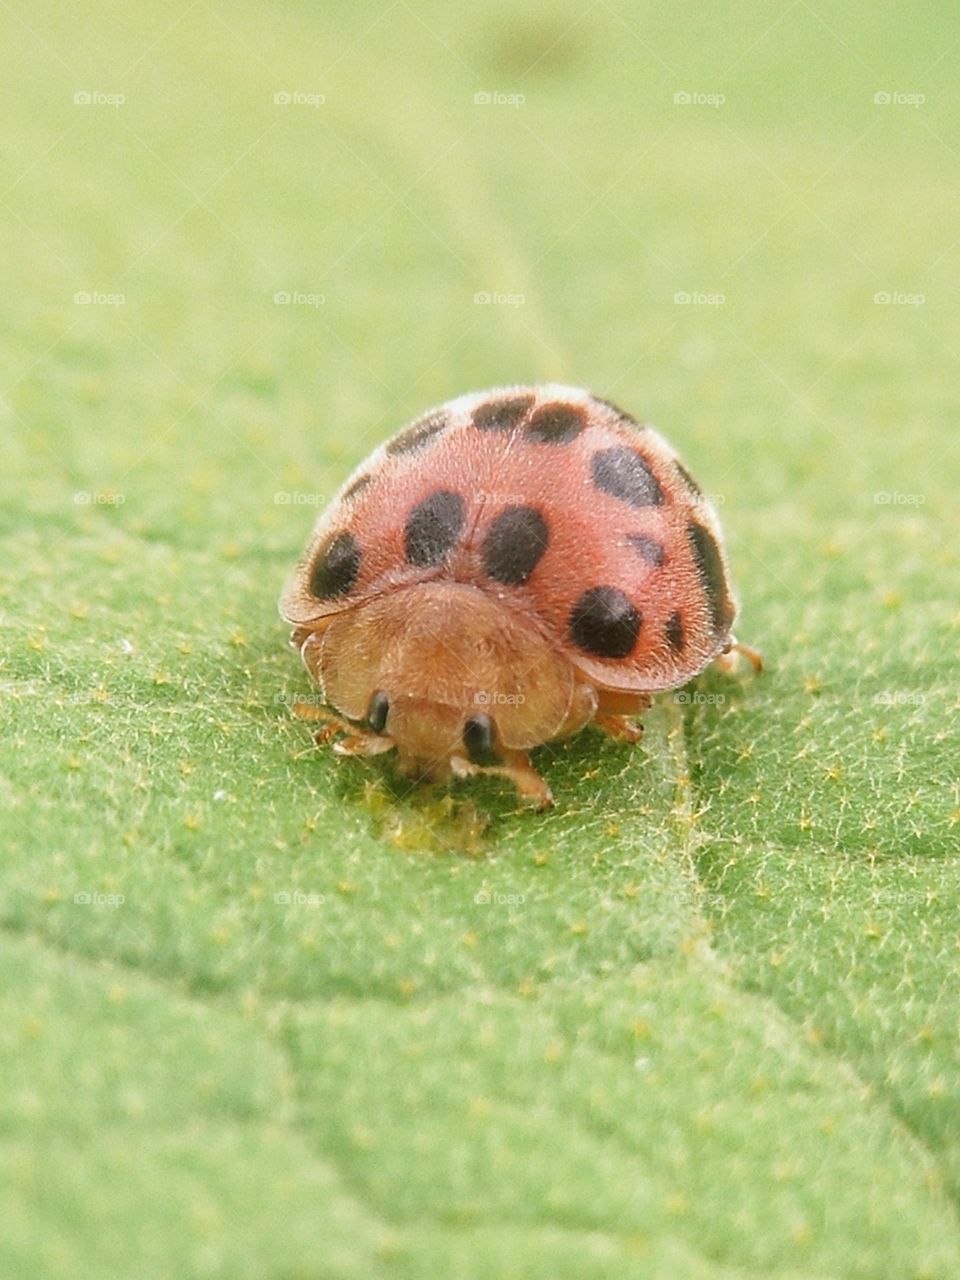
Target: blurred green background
(271, 1014)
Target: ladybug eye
(478, 738)
(377, 712)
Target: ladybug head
(444, 673)
(429, 736)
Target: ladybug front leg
(622, 728)
(615, 711)
(517, 768)
(356, 743)
(300, 635)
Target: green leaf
(268, 1013)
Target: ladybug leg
(727, 663)
(354, 744)
(517, 768)
(363, 744)
(614, 712)
(297, 637)
(300, 635)
(620, 727)
(331, 723)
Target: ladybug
(509, 568)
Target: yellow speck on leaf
(800, 1233)
(554, 1051)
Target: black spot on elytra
(515, 541)
(378, 711)
(622, 414)
(688, 479)
(706, 555)
(361, 482)
(336, 567)
(501, 415)
(605, 622)
(556, 424)
(674, 631)
(418, 435)
(478, 739)
(626, 474)
(649, 549)
(433, 527)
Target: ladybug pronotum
(509, 568)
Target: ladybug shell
(561, 506)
